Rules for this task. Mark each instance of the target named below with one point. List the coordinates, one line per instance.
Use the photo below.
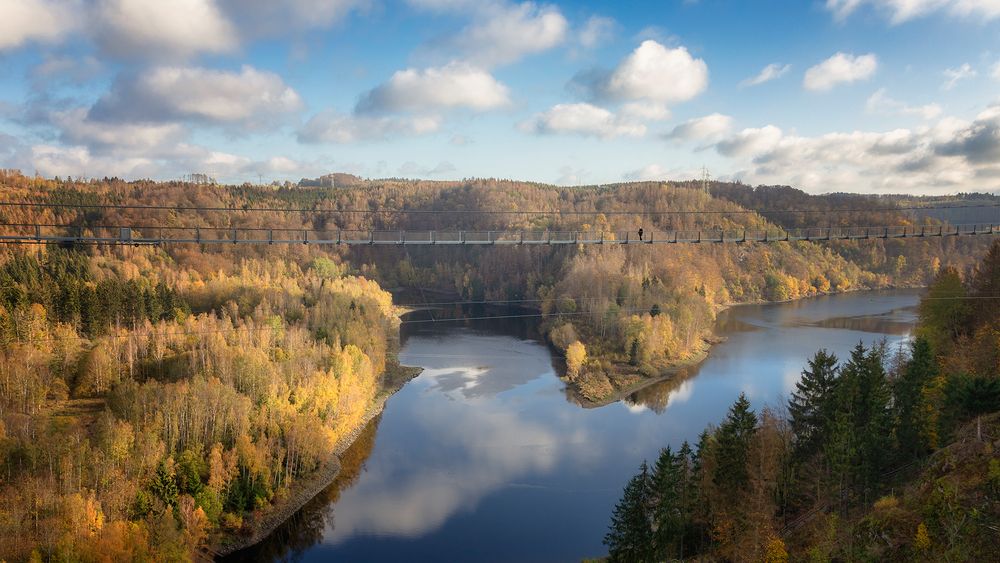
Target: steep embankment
(945, 511)
(304, 490)
(153, 400)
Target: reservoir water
(484, 456)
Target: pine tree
(839, 453)
(979, 396)
(733, 437)
(700, 514)
(688, 497)
(668, 516)
(863, 393)
(630, 536)
(812, 404)
(164, 485)
(944, 314)
(909, 400)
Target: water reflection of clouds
(634, 408)
(453, 378)
(487, 447)
(472, 446)
(681, 394)
(488, 416)
(505, 365)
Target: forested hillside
(876, 458)
(153, 399)
(636, 311)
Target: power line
(224, 209)
(519, 316)
(499, 301)
(605, 298)
(961, 297)
(249, 329)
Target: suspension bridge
(131, 235)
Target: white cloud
(410, 169)
(648, 173)
(175, 29)
(596, 30)
(842, 8)
(767, 74)
(657, 73)
(979, 142)
(952, 155)
(281, 164)
(130, 138)
(954, 75)
(582, 119)
(78, 160)
(504, 33)
(900, 11)
(249, 98)
(658, 172)
(881, 103)
(444, 5)
(331, 127)
(65, 69)
(645, 111)
(750, 141)
(50, 160)
(704, 128)
(172, 30)
(270, 18)
(569, 176)
(838, 69)
(455, 85)
(45, 21)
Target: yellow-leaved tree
(576, 355)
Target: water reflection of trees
(657, 397)
(306, 527)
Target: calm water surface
(484, 458)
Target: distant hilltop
(334, 180)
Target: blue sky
(871, 96)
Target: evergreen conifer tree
(909, 400)
(630, 537)
(734, 437)
(668, 514)
(864, 395)
(812, 404)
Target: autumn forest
(172, 402)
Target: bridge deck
(146, 235)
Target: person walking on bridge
(640, 234)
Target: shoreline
(668, 372)
(305, 490)
(711, 340)
(394, 378)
